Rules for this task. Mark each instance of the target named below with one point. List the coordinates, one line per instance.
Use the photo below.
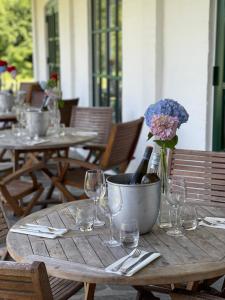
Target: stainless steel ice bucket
(37, 122)
(6, 101)
(139, 201)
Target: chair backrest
(121, 144)
(37, 96)
(29, 87)
(66, 110)
(97, 119)
(20, 281)
(204, 173)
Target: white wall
(185, 72)
(81, 71)
(39, 40)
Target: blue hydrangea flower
(166, 107)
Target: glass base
(112, 243)
(165, 225)
(175, 232)
(98, 223)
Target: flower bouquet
(163, 119)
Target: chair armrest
(76, 162)
(23, 170)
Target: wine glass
(176, 198)
(94, 187)
(111, 206)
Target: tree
(16, 35)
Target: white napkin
(132, 261)
(39, 230)
(216, 222)
(84, 133)
(33, 142)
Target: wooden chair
(204, 173)
(66, 110)
(98, 119)
(21, 281)
(37, 96)
(14, 189)
(118, 153)
(59, 288)
(29, 87)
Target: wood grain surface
(83, 256)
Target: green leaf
(60, 103)
(150, 135)
(168, 144)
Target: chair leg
(64, 191)
(33, 201)
(89, 289)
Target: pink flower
(164, 127)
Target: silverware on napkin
(141, 259)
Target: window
(52, 20)
(107, 54)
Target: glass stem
(110, 228)
(96, 209)
(176, 218)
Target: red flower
(54, 76)
(11, 69)
(3, 63)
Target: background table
(82, 256)
(18, 144)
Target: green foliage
(169, 143)
(16, 35)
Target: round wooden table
(82, 256)
(49, 143)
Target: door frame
(218, 80)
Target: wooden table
(18, 144)
(82, 256)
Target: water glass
(188, 217)
(129, 234)
(85, 217)
(62, 130)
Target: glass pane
(112, 13)
(103, 14)
(112, 54)
(119, 70)
(103, 54)
(104, 94)
(96, 14)
(96, 65)
(119, 13)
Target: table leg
(89, 289)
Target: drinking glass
(129, 234)
(176, 198)
(188, 217)
(111, 207)
(94, 187)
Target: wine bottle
(44, 106)
(142, 168)
(152, 175)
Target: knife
(126, 270)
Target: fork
(135, 254)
